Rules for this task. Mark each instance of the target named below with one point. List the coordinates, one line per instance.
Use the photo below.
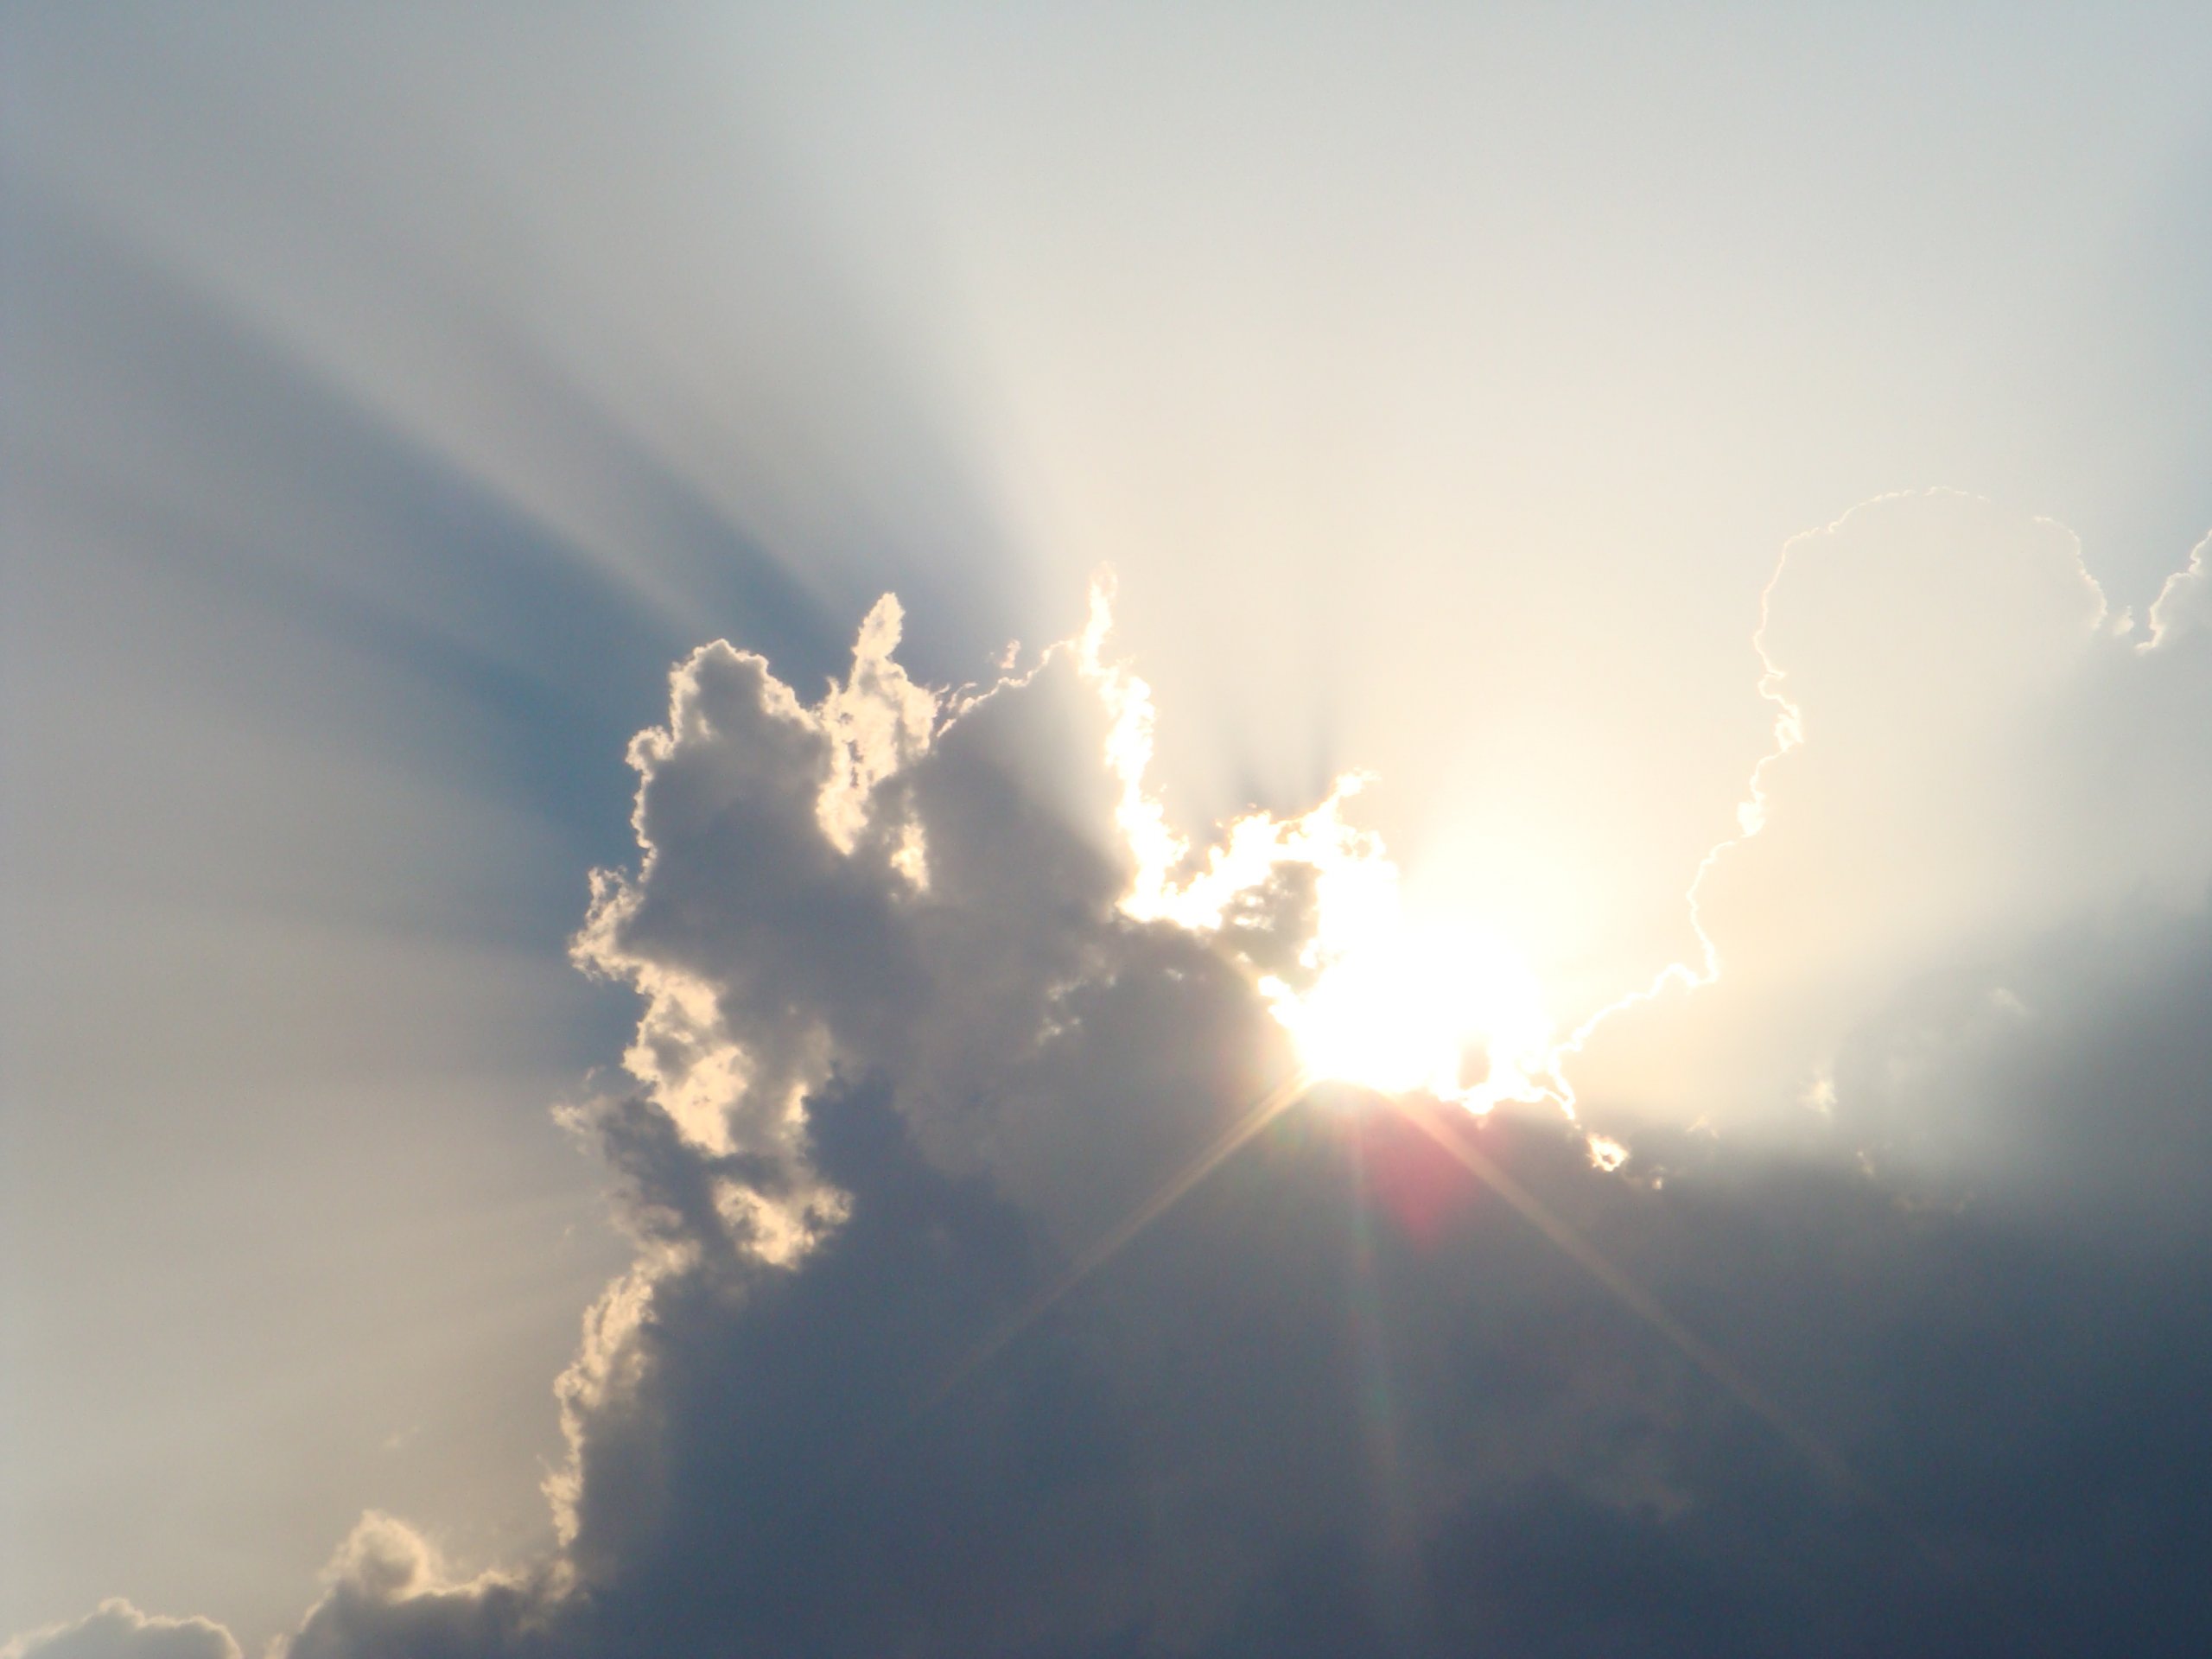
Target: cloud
(1973, 756)
(935, 1001)
(119, 1631)
(2184, 604)
(886, 883)
(2065, 1076)
(390, 1592)
(1291, 1423)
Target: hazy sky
(398, 406)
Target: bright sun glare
(1397, 1008)
(1449, 1010)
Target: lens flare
(1451, 1011)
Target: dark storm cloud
(2065, 1079)
(1341, 1400)
(907, 1055)
(1344, 1405)
(421, 393)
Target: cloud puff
(934, 1001)
(2184, 604)
(391, 1593)
(1974, 754)
(929, 889)
(119, 1631)
(937, 1007)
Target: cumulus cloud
(2184, 604)
(1973, 756)
(119, 1631)
(929, 889)
(390, 1592)
(935, 1001)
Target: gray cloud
(1337, 1402)
(1289, 1423)
(388, 404)
(906, 1054)
(119, 1631)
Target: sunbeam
(1624, 1290)
(1263, 1111)
(1083, 1129)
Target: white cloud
(2184, 604)
(1967, 758)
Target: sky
(1043, 831)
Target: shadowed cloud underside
(1011, 1278)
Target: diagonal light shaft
(1631, 1295)
(1262, 1112)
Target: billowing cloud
(119, 1631)
(994, 1295)
(2184, 604)
(1974, 754)
(885, 884)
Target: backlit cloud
(119, 1631)
(1972, 751)
(1021, 1268)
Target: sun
(1444, 1007)
(1449, 1011)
